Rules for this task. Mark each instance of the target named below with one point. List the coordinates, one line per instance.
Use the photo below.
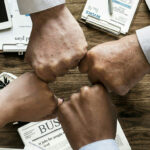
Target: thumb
(83, 66)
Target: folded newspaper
(49, 135)
(9, 149)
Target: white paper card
(20, 32)
(148, 3)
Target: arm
(24, 98)
(57, 42)
(119, 64)
(32, 6)
(89, 120)
(4, 115)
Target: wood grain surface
(133, 109)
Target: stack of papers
(96, 13)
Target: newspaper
(96, 13)
(49, 135)
(9, 149)
(46, 135)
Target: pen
(110, 7)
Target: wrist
(135, 50)
(6, 109)
(49, 15)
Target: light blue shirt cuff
(143, 36)
(109, 144)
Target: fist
(57, 43)
(119, 65)
(88, 117)
(27, 99)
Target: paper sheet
(123, 13)
(148, 3)
(22, 25)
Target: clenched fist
(88, 117)
(119, 65)
(57, 43)
(26, 99)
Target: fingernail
(60, 101)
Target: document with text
(49, 135)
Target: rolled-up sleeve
(32, 6)
(102, 145)
(144, 40)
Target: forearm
(134, 48)
(5, 108)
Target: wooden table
(133, 109)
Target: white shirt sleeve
(144, 40)
(102, 145)
(32, 6)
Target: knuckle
(74, 96)
(67, 60)
(98, 89)
(59, 68)
(85, 91)
(122, 92)
(96, 68)
(38, 67)
(63, 108)
(100, 68)
(91, 54)
(41, 67)
(83, 52)
(120, 87)
(54, 64)
(80, 53)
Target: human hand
(26, 99)
(119, 65)
(57, 43)
(88, 117)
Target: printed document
(97, 12)
(49, 135)
(21, 30)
